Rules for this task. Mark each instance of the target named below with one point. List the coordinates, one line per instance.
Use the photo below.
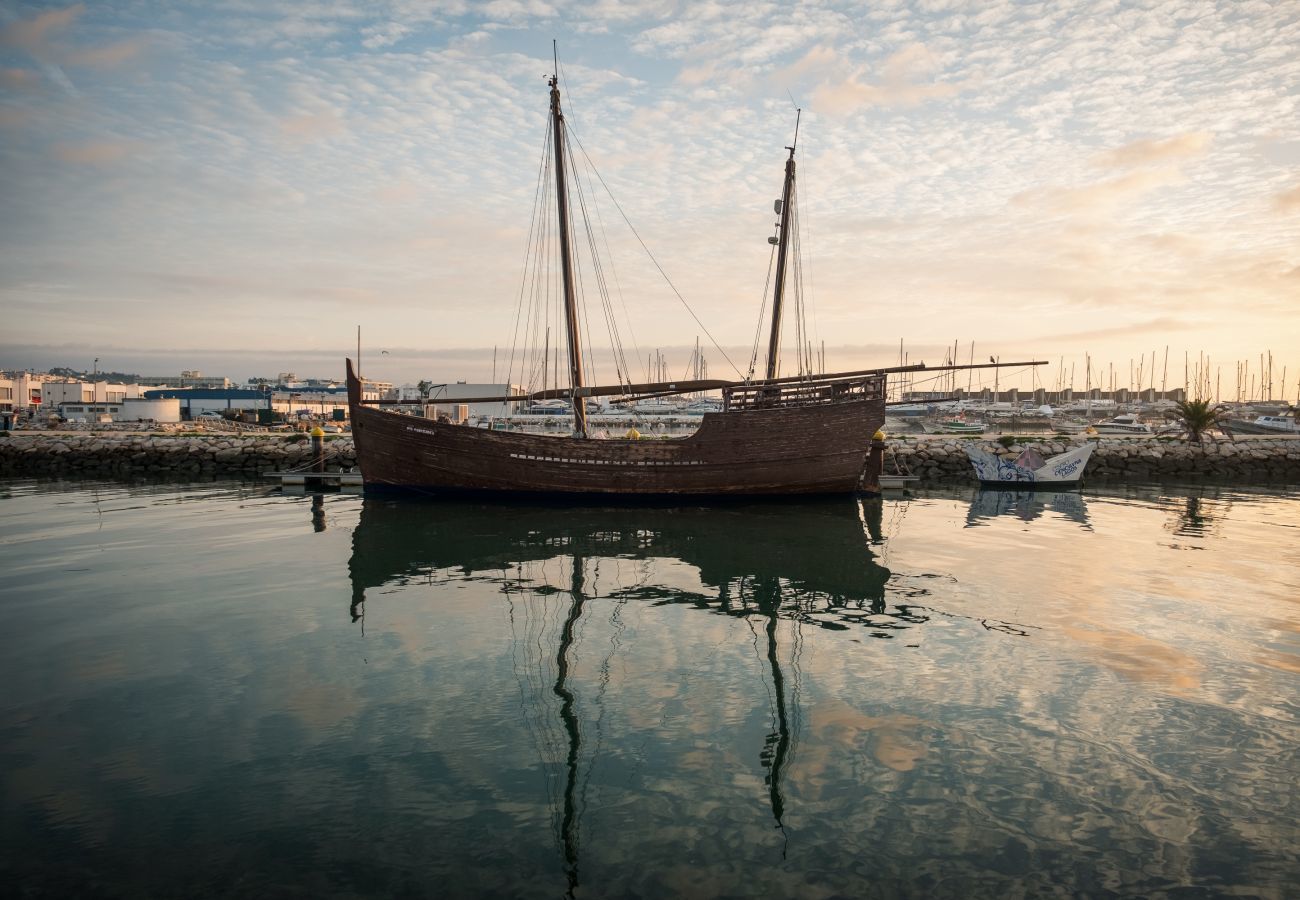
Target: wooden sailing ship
(797, 435)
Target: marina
(665, 450)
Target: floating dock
(316, 480)
(896, 482)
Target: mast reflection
(569, 821)
(776, 748)
(804, 563)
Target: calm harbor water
(221, 690)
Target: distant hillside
(82, 375)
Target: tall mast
(773, 344)
(566, 260)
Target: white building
(130, 409)
(19, 391)
(55, 393)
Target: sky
(236, 186)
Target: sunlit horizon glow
(235, 187)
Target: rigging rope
(667, 280)
(607, 306)
(762, 311)
(532, 233)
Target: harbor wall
(66, 453)
(1115, 459)
(933, 459)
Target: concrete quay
(1259, 459)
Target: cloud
(820, 62)
(311, 127)
(1288, 201)
(385, 35)
(901, 84)
(1146, 152)
(1161, 325)
(108, 56)
(13, 117)
(513, 11)
(16, 79)
(33, 35)
(96, 153)
(1100, 196)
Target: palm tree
(1197, 417)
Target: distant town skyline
(235, 187)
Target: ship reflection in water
(681, 675)
(806, 563)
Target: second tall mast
(783, 247)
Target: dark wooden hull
(816, 449)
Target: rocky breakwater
(1123, 458)
(117, 455)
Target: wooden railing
(803, 393)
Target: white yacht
(1265, 425)
(1124, 423)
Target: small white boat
(1030, 469)
(953, 426)
(1125, 423)
(1264, 425)
(703, 405)
(908, 410)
